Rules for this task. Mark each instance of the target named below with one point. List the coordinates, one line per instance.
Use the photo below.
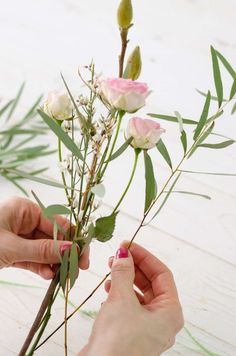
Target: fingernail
(122, 252)
(66, 245)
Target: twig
(124, 42)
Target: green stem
(137, 151)
(121, 114)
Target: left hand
(26, 238)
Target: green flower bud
(125, 14)
(134, 65)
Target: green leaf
(226, 64)
(219, 135)
(191, 193)
(215, 116)
(217, 76)
(62, 135)
(166, 198)
(42, 207)
(15, 102)
(183, 139)
(90, 235)
(32, 111)
(14, 182)
(172, 118)
(217, 145)
(202, 139)
(202, 347)
(121, 149)
(99, 190)
(74, 264)
(233, 109)
(209, 173)
(80, 116)
(105, 227)
(164, 152)
(233, 90)
(203, 117)
(36, 179)
(56, 209)
(214, 98)
(64, 269)
(5, 107)
(151, 186)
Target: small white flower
(58, 105)
(97, 137)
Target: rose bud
(134, 65)
(58, 105)
(125, 14)
(124, 94)
(146, 133)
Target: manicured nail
(66, 245)
(122, 252)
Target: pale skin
(140, 322)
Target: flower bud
(134, 65)
(58, 105)
(125, 14)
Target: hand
(136, 323)
(26, 238)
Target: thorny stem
(141, 224)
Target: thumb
(122, 274)
(42, 251)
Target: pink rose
(146, 133)
(124, 94)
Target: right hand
(133, 323)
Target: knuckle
(120, 268)
(45, 249)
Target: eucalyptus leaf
(233, 90)
(166, 198)
(191, 193)
(99, 190)
(32, 111)
(56, 209)
(209, 173)
(15, 102)
(64, 269)
(5, 107)
(62, 135)
(233, 109)
(172, 118)
(214, 98)
(183, 139)
(55, 239)
(105, 227)
(226, 64)
(151, 186)
(121, 149)
(74, 264)
(203, 117)
(217, 145)
(202, 139)
(217, 76)
(164, 152)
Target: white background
(194, 237)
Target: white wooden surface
(195, 237)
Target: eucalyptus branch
(141, 224)
(124, 42)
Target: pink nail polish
(122, 252)
(66, 245)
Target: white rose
(58, 105)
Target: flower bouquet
(87, 127)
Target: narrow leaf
(172, 118)
(42, 207)
(164, 152)
(15, 102)
(151, 186)
(32, 111)
(203, 117)
(214, 98)
(166, 198)
(62, 135)
(5, 107)
(74, 264)
(64, 269)
(226, 64)
(233, 90)
(217, 76)
(99, 190)
(56, 209)
(90, 235)
(55, 239)
(210, 173)
(105, 227)
(191, 193)
(202, 139)
(121, 149)
(233, 109)
(217, 145)
(183, 139)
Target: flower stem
(137, 151)
(65, 317)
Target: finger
(122, 275)
(156, 272)
(140, 297)
(84, 259)
(44, 271)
